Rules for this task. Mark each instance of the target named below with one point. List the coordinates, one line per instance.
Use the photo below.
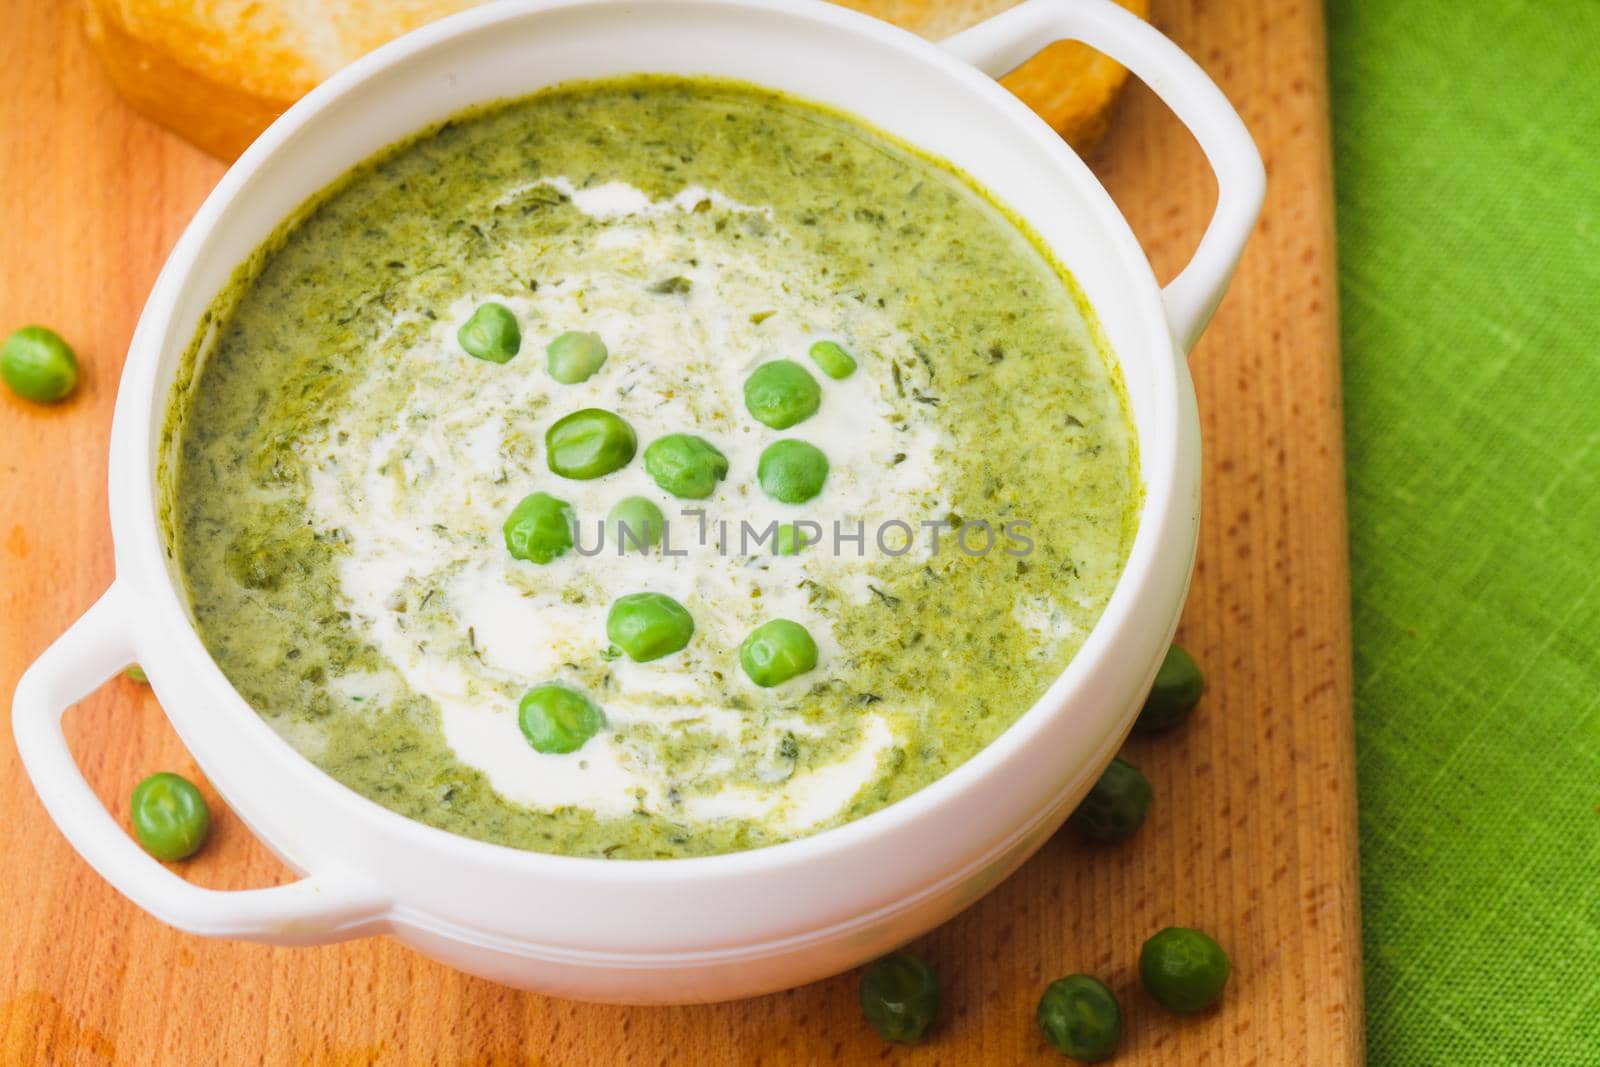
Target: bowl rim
(140, 551)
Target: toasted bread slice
(1070, 85)
(219, 71)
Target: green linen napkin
(1467, 147)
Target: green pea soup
(342, 477)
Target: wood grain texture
(1252, 835)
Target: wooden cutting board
(1252, 836)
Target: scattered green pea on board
(557, 720)
(38, 365)
(1080, 1018)
(1176, 691)
(648, 626)
(170, 817)
(1116, 806)
(491, 334)
(777, 651)
(1183, 969)
(900, 998)
(589, 443)
(539, 528)
(781, 393)
(686, 466)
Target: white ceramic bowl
(674, 930)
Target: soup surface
(342, 470)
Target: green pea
(539, 528)
(787, 541)
(782, 393)
(1176, 691)
(1116, 806)
(38, 365)
(491, 334)
(589, 443)
(648, 626)
(1184, 969)
(1080, 1018)
(574, 357)
(835, 362)
(136, 673)
(557, 720)
(900, 998)
(170, 817)
(635, 524)
(777, 651)
(684, 465)
(792, 471)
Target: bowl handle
(312, 910)
(1009, 39)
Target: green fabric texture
(1467, 148)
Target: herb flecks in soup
(828, 478)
